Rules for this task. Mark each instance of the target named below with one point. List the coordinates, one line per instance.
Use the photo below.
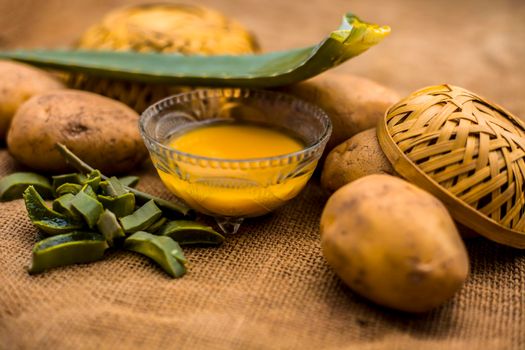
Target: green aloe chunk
(68, 188)
(163, 250)
(190, 232)
(352, 38)
(88, 207)
(67, 249)
(142, 218)
(47, 220)
(13, 186)
(123, 205)
(87, 189)
(171, 209)
(113, 187)
(93, 179)
(157, 225)
(63, 205)
(129, 181)
(73, 178)
(109, 226)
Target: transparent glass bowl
(231, 190)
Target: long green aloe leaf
(272, 69)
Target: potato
(18, 83)
(353, 104)
(101, 131)
(358, 156)
(393, 243)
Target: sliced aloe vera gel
(13, 186)
(190, 233)
(109, 226)
(142, 218)
(67, 249)
(163, 250)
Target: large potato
(18, 83)
(359, 156)
(101, 131)
(393, 243)
(353, 104)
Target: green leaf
(264, 70)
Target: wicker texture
(467, 151)
(173, 28)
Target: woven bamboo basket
(169, 28)
(468, 152)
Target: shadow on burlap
(267, 288)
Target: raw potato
(393, 243)
(102, 132)
(353, 104)
(358, 156)
(18, 83)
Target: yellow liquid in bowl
(236, 189)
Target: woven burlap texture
(266, 288)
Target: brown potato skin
(354, 104)
(102, 132)
(18, 83)
(393, 243)
(359, 156)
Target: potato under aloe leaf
(352, 38)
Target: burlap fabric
(266, 288)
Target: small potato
(393, 243)
(353, 104)
(358, 156)
(18, 83)
(102, 132)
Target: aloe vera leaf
(142, 218)
(88, 207)
(113, 187)
(13, 186)
(129, 181)
(67, 249)
(163, 250)
(121, 206)
(93, 179)
(68, 188)
(352, 38)
(109, 226)
(190, 233)
(63, 205)
(47, 220)
(157, 225)
(74, 178)
(170, 208)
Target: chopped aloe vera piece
(67, 249)
(142, 218)
(13, 186)
(109, 226)
(113, 187)
(129, 181)
(73, 178)
(191, 232)
(63, 205)
(87, 189)
(93, 179)
(157, 225)
(171, 209)
(163, 250)
(121, 206)
(88, 207)
(68, 188)
(47, 220)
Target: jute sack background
(270, 288)
(267, 288)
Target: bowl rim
(202, 93)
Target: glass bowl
(233, 189)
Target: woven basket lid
(468, 152)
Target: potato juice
(228, 183)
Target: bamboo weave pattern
(470, 147)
